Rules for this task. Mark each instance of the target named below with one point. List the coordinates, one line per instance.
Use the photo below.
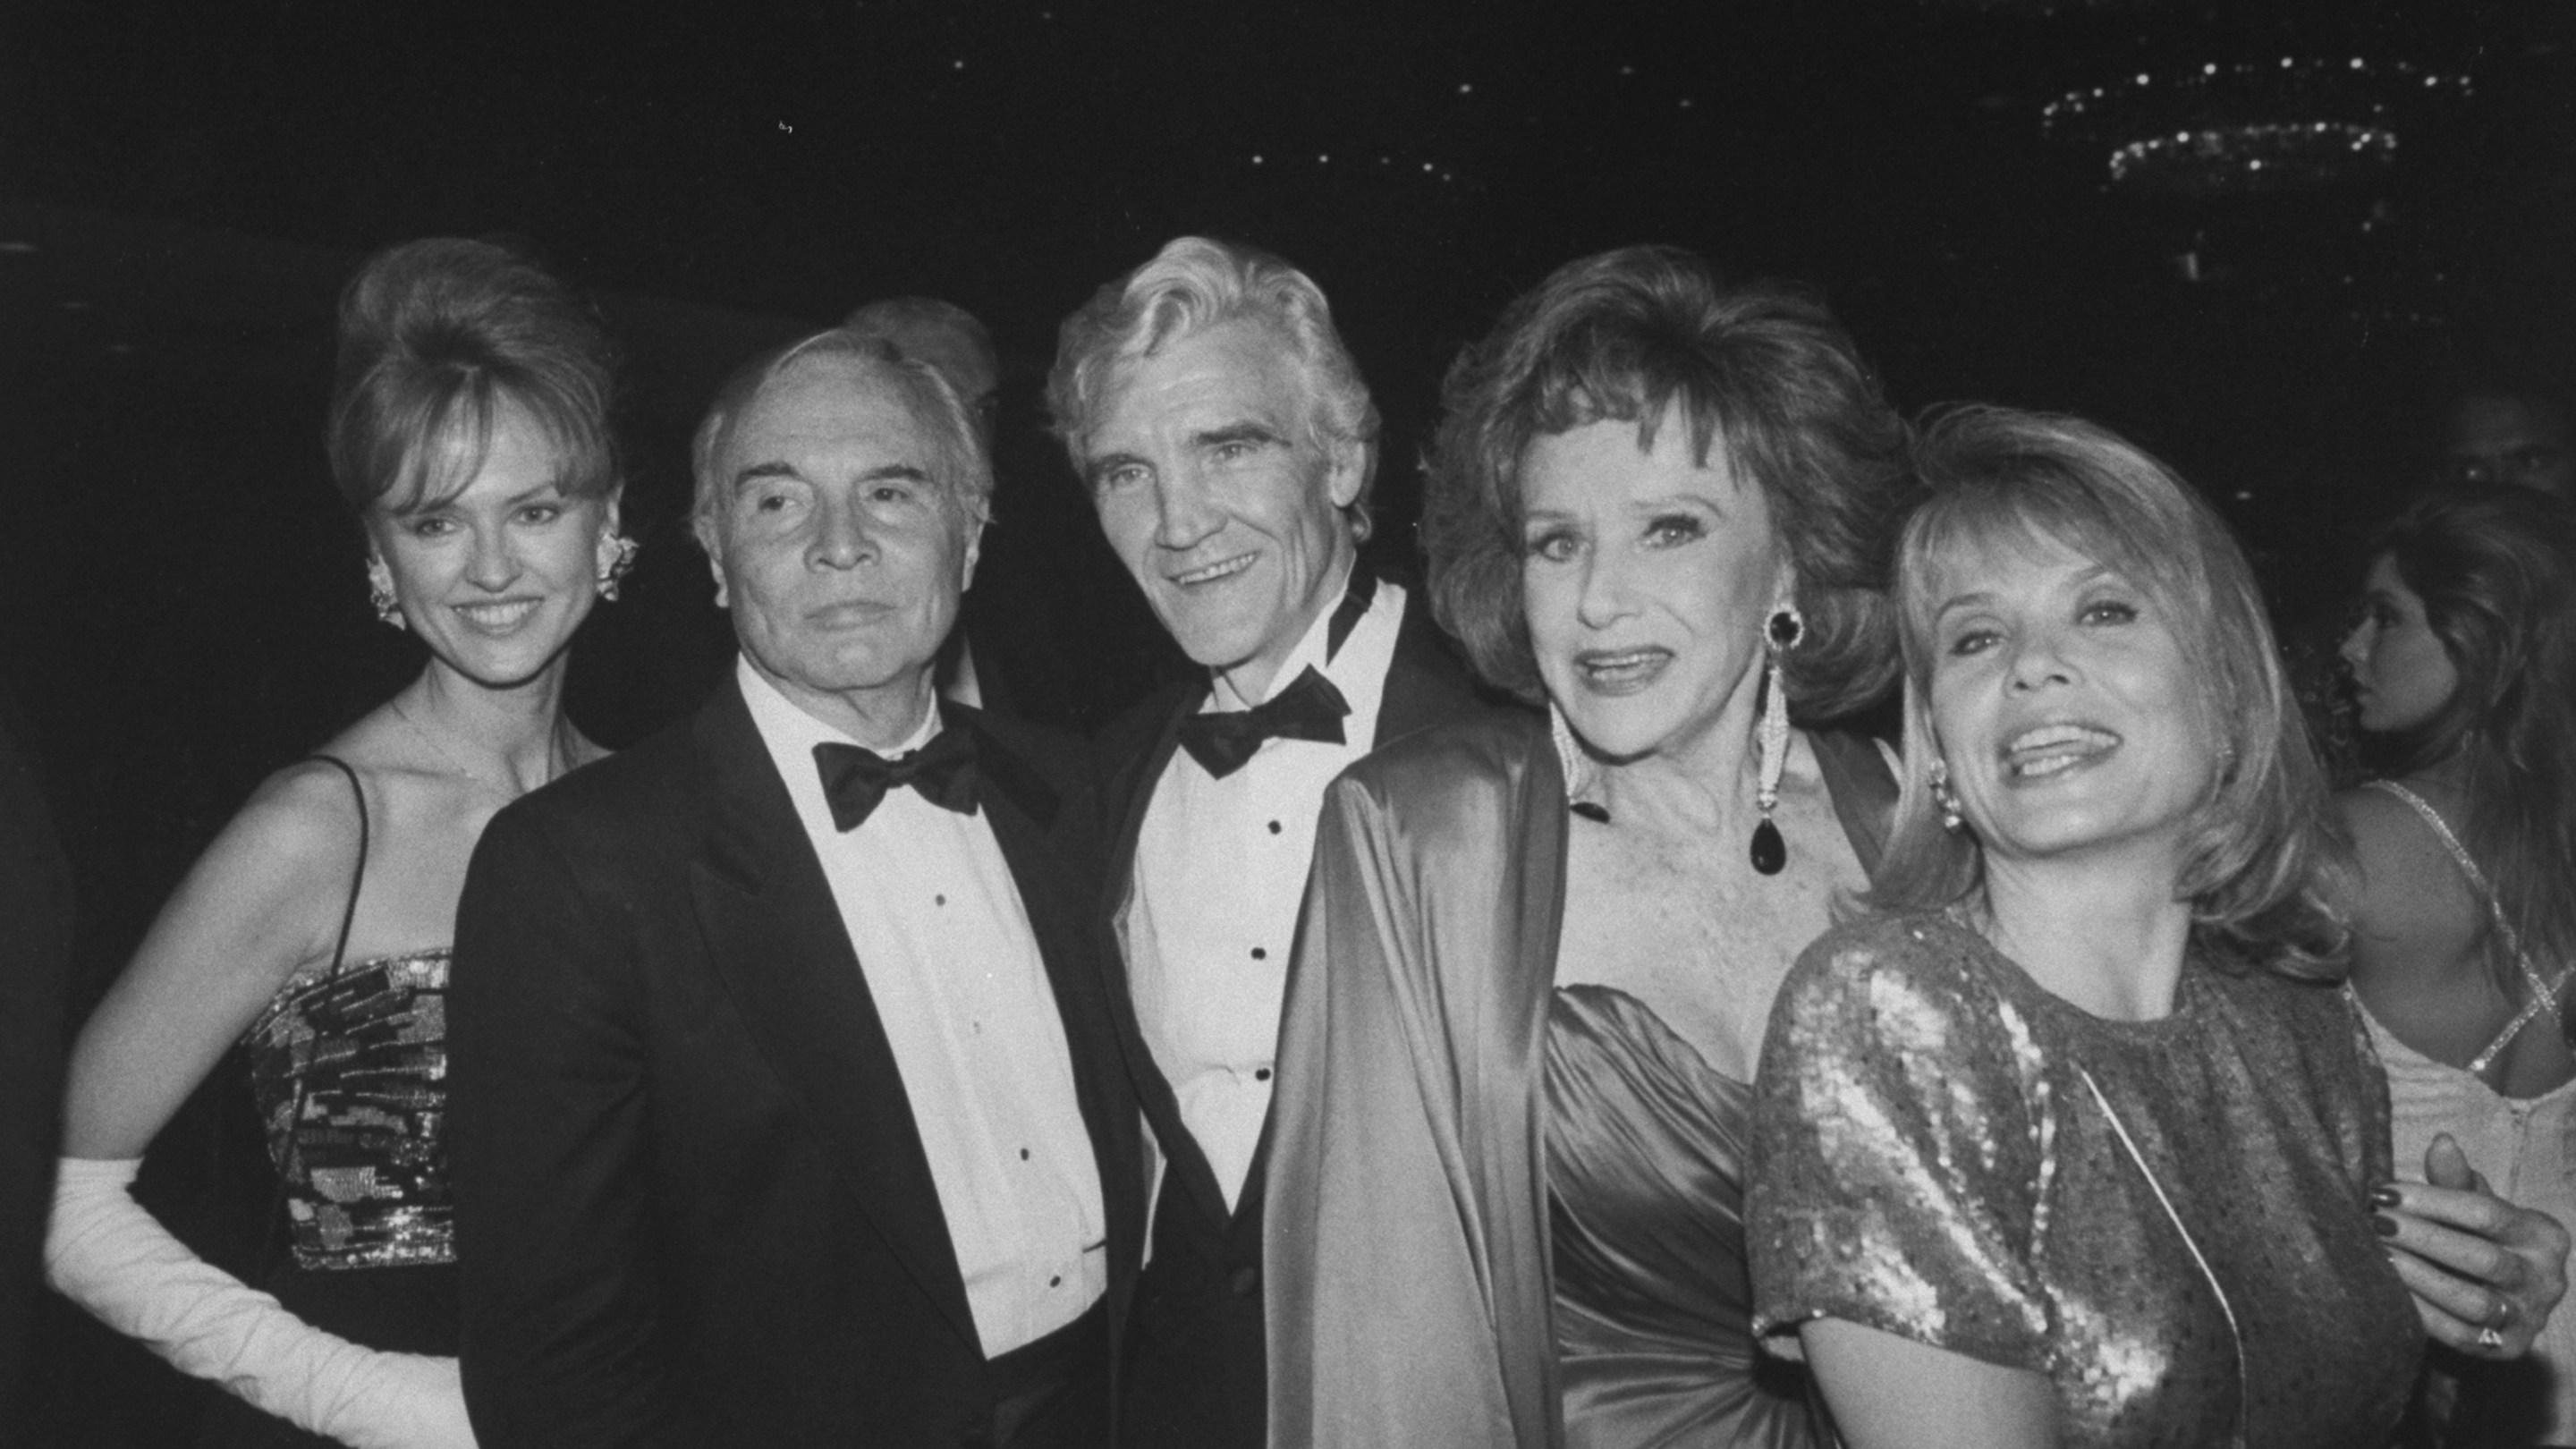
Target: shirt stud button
(1024, 1154)
(1260, 953)
(1274, 827)
(1261, 1074)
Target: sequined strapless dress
(1645, 1163)
(348, 1069)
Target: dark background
(183, 189)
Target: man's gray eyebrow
(1244, 432)
(757, 471)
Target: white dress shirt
(944, 942)
(1212, 902)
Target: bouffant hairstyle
(2264, 863)
(1194, 284)
(437, 339)
(1649, 336)
(2496, 569)
(964, 469)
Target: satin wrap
(1409, 1262)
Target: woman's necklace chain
(554, 754)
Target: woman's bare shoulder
(301, 827)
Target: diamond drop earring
(380, 591)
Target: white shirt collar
(786, 723)
(1311, 652)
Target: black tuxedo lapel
(775, 936)
(1021, 805)
(1425, 684)
(1131, 786)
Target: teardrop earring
(1780, 634)
(380, 591)
(1945, 797)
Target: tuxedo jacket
(692, 1207)
(1194, 1375)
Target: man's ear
(974, 552)
(1345, 470)
(712, 545)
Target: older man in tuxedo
(787, 1108)
(1228, 444)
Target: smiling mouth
(1621, 671)
(2054, 749)
(1220, 570)
(498, 618)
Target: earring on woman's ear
(1780, 634)
(380, 591)
(617, 555)
(1945, 797)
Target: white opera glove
(105, 1253)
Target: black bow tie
(856, 780)
(1308, 709)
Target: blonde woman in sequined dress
(469, 434)
(2075, 1141)
(2463, 670)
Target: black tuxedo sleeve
(554, 1221)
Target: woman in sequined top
(2074, 1141)
(2463, 669)
(469, 434)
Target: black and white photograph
(1045, 724)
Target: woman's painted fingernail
(2383, 1197)
(2386, 1225)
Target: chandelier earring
(616, 556)
(1945, 797)
(1782, 632)
(380, 591)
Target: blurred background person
(2073, 1141)
(2463, 674)
(960, 349)
(2509, 431)
(35, 973)
(469, 435)
(1535, 961)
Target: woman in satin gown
(1537, 956)
(469, 434)
(2074, 1140)
(2463, 673)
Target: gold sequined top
(1930, 1160)
(349, 1069)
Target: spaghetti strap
(357, 877)
(2544, 994)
